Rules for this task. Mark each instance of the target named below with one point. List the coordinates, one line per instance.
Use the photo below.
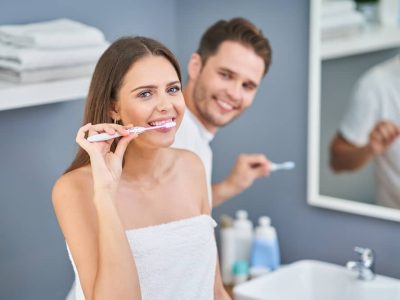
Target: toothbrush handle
(102, 137)
(282, 166)
(105, 136)
(273, 167)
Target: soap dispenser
(265, 248)
(243, 229)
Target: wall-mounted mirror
(354, 107)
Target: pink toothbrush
(105, 136)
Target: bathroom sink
(316, 280)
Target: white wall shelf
(368, 41)
(22, 95)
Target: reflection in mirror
(356, 47)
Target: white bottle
(228, 244)
(240, 271)
(243, 236)
(265, 250)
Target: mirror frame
(314, 198)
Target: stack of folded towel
(52, 50)
(340, 18)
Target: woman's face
(151, 95)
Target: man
(223, 77)
(370, 131)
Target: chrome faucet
(365, 265)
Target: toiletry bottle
(240, 271)
(265, 248)
(243, 236)
(227, 248)
(255, 272)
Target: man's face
(227, 84)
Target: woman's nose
(163, 104)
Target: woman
(134, 212)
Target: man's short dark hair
(237, 30)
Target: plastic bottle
(243, 236)
(240, 271)
(265, 248)
(227, 246)
(255, 272)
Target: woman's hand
(106, 165)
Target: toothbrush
(105, 136)
(288, 165)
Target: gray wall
(33, 263)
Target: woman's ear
(194, 66)
(114, 114)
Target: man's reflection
(370, 130)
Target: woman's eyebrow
(174, 82)
(152, 86)
(143, 87)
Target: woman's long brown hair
(107, 80)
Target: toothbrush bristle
(289, 165)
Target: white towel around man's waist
(18, 59)
(58, 34)
(47, 74)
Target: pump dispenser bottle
(265, 248)
(228, 244)
(243, 236)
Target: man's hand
(382, 136)
(345, 156)
(247, 169)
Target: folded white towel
(338, 7)
(344, 24)
(60, 33)
(46, 74)
(340, 32)
(19, 59)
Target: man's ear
(194, 66)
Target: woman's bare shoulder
(188, 157)
(189, 162)
(73, 184)
(193, 173)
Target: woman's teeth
(158, 123)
